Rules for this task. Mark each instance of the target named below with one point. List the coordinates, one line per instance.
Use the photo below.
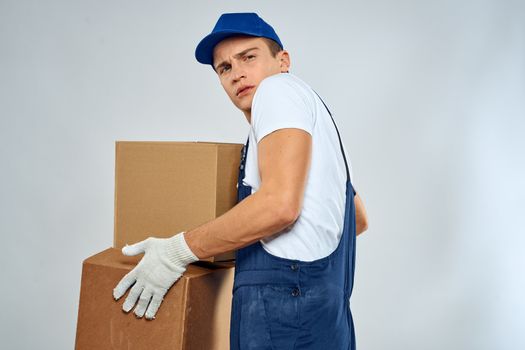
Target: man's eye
(224, 69)
(249, 57)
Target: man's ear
(284, 61)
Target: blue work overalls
(283, 304)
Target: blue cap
(232, 24)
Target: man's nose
(238, 72)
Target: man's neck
(248, 116)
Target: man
(297, 217)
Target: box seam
(185, 313)
(115, 204)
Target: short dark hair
(274, 47)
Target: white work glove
(164, 262)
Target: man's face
(242, 63)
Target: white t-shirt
(285, 101)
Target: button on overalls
(286, 304)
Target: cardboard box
(195, 313)
(162, 188)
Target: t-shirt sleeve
(278, 104)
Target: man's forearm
(257, 216)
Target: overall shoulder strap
(339, 136)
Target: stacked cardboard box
(162, 188)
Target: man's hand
(164, 262)
(361, 218)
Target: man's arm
(284, 161)
(361, 219)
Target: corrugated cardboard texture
(194, 315)
(162, 188)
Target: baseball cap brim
(204, 50)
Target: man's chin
(244, 106)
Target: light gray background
(429, 97)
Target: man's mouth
(243, 90)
